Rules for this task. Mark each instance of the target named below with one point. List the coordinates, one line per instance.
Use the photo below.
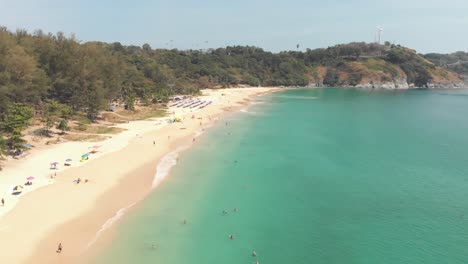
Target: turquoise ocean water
(317, 176)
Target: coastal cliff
(382, 67)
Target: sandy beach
(122, 173)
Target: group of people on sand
(78, 180)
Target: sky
(424, 25)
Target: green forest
(52, 77)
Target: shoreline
(73, 214)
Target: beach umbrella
(30, 178)
(68, 160)
(17, 189)
(95, 147)
(54, 163)
(84, 155)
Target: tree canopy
(52, 75)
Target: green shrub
(81, 127)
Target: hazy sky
(425, 25)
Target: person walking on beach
(154, 143)
(3, 202)
(59, 248)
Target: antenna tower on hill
(380, 34)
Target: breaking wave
(109, 223)
(296, 97)
(165, 166)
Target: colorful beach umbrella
(84, 155)
(30, 178)
(17, 189)
(95, 146)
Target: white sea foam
(199, 133)
(245, 111)
(109, 223)
(165, 166)
(257, 102)
(297, 97)
(162, 170)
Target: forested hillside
(51, 76)
(456, 62)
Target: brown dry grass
(142, 113)
(87, 138)
(95, 129)
(440, 75)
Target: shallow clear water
(317, 176)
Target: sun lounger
(22, 155)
